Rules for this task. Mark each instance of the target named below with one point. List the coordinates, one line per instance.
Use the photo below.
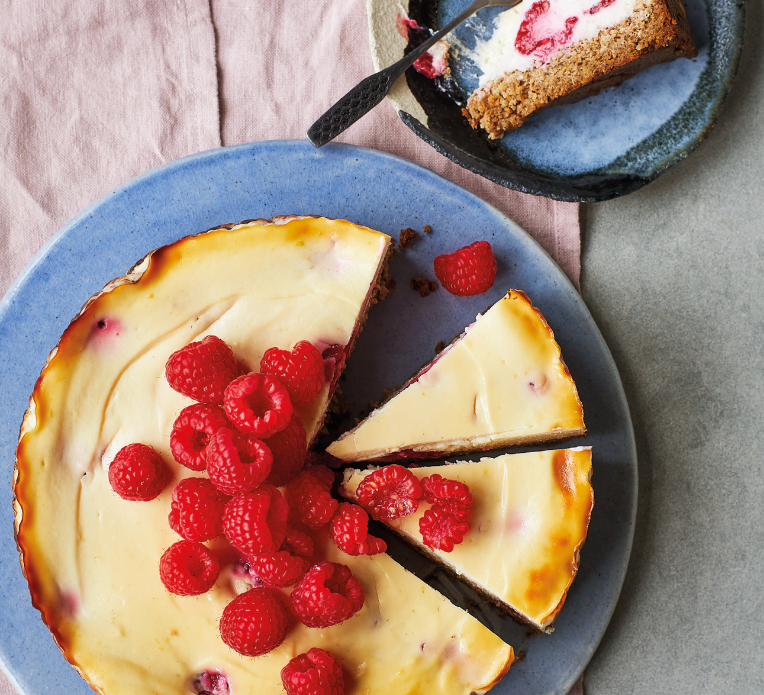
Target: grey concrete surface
(674, 276)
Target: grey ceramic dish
(289, 177)
(597, 149)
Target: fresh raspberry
(328, 594)
(301, 371)
(452, 495)
(202, 370)
(211, 682)
(289, 448)
(440, 529)
(314, 673)
(258, 404)
(256, 523)
(470, 270)
(255, 622)
(334, 362)
(188, 569)
(350, 531)
(237, 463)
(137, 473)
(191, 434)
(197, 509)
(389, 492)
(285, 567)
(322, 475)
(309, 498)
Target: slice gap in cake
(529, 519)
(502, 383)
(546, 53)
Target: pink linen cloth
(93, 94)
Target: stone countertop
(674, 277)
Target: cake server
(370, 91)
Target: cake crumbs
(520, 656)
(406, 238)
(423, 286)
(440, 347)
(385, 285)
(426, 229)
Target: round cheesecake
(91, 558)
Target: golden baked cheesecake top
(502, 383)
(529, 518)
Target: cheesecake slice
(529, 518)
(546, 53)
(502, 383)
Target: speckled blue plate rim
(223, 186)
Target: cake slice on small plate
(528, 521)
(502, 383)
(550, 52)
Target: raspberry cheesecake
(502, 383)
(109, 479)
(549, 52)
(524, 520)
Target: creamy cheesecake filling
(91, 558)
(503, 382)
(529, 34)
(529, 518)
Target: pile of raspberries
(262, 494)
(394, 491)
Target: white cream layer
(498, 55)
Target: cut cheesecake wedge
(529, 518)
(502, 383)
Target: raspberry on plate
(440, 529)
(301, 371)
(255, 622)
(309, 498)
(286, 566)
(258, 404)
(197, 509)
(467, 271)
(137, 473)
(188, 569)
(289, 448)
(390, 492)
(315, 673)
(202, 370)
(452, 495)
(237, 463)
(350, 531)
(328, 594)
(256, 523)
(191, 433)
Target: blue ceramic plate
(599, 148)
(383, 192)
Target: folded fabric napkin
(94, 94)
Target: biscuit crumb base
(656, 32)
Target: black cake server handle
(370, 91)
